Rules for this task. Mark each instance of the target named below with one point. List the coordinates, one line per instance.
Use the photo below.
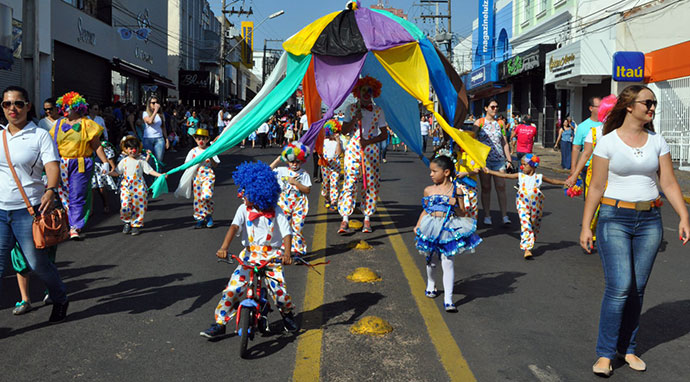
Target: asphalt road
(138, 303)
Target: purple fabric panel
(335, 77)
(380, 32)
(78, 188)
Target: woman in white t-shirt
(628, 156)
(154, 130)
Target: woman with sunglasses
(490, 132)
(154, 131)
(52, 115)
(629, 156)
(32, 152)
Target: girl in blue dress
(443, 230)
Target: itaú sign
(628, 66)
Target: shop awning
(162, 81)
(126, 67)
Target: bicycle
(252, 312)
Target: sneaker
(199, 224)
(21, 307)
(344, 227)
(209, 222)
(59, 312)
(73, 234)
(214, 331)
(47, 300)
(506, 220)
(127, 228)
(450, 308)
(136, 231)
(290, 323)
(366, 227)
(487, 220)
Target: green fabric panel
(18, 262)
(410, 27)
(296, 69)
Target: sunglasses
(154, 102)
(648, 102)
(18, 104)
(493, 107)
(48, 108)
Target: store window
(100, 9)
(526, 11)
(125, 88)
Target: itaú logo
(485, 26)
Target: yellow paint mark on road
(363, 275)
(308, 359)
(448, 350)
(372, 326)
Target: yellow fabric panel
(300, 44)
(406, 64)
(75, 144)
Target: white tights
(448, 277)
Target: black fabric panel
(462, 103)
(341, 37)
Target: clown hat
(294, 151)
(201, 132)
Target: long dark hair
(617, 115)
(445, 163)
(31, 113)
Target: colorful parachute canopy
(330, 54)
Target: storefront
(483, 84)
(198, 87)
(524, 73)
(579, 71)
(110, 63)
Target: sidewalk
(551, 159)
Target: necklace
(637, 152)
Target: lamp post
(225, 53)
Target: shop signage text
(486, 18)
(478, 77)
(519, 64)
(194, 80)
(143, 55)
(85, 35)
(628, 66)
(562, 66)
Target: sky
(299, 13)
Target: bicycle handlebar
(260, 265)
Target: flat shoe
(431, 294)
(450, 308)
(603, 372)
(634, 362)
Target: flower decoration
(257, 182)
(605, 107)
(575, 190)
(72, 101)
(371, 82)
(532, 160)
(294, 151)
(332, 126)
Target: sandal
(431, 294)
(450, 308)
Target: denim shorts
(499, 165)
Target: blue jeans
(566, 154)
(383, 147)
(628, 241)
(156, 145)
(15, 227)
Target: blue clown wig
(258, 183)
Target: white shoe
(487, 220)
(506, 221)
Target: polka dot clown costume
(204, 180)
(293, 201)
(362, 162)
(529, 202)
(330, 163)
(76, 157)
(262, 228)
(467, 185)
(133, 190)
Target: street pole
(263, 66)
(30, 51)
(221, 96)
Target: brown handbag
(49, 229)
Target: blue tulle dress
(448, 235)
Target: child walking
(529, 199)
(204, 180)
(295, 185)
(330, 164)
(265, 235)
(133, 193)
(442, 231)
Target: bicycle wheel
(245, 318)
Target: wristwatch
(54, 189)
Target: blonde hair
(149, 110)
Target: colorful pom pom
(72, 101)
(332, 126)
(575, 190)
(294, 151)
(257, 182)
(605, 107)
(532, 160)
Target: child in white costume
(330, 164)
(265, 234)
(133, 192)
(204, 181)
(529, 199)
(295, 185)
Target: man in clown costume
(368, 126)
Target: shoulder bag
(49, 229)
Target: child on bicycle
(265, 235)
